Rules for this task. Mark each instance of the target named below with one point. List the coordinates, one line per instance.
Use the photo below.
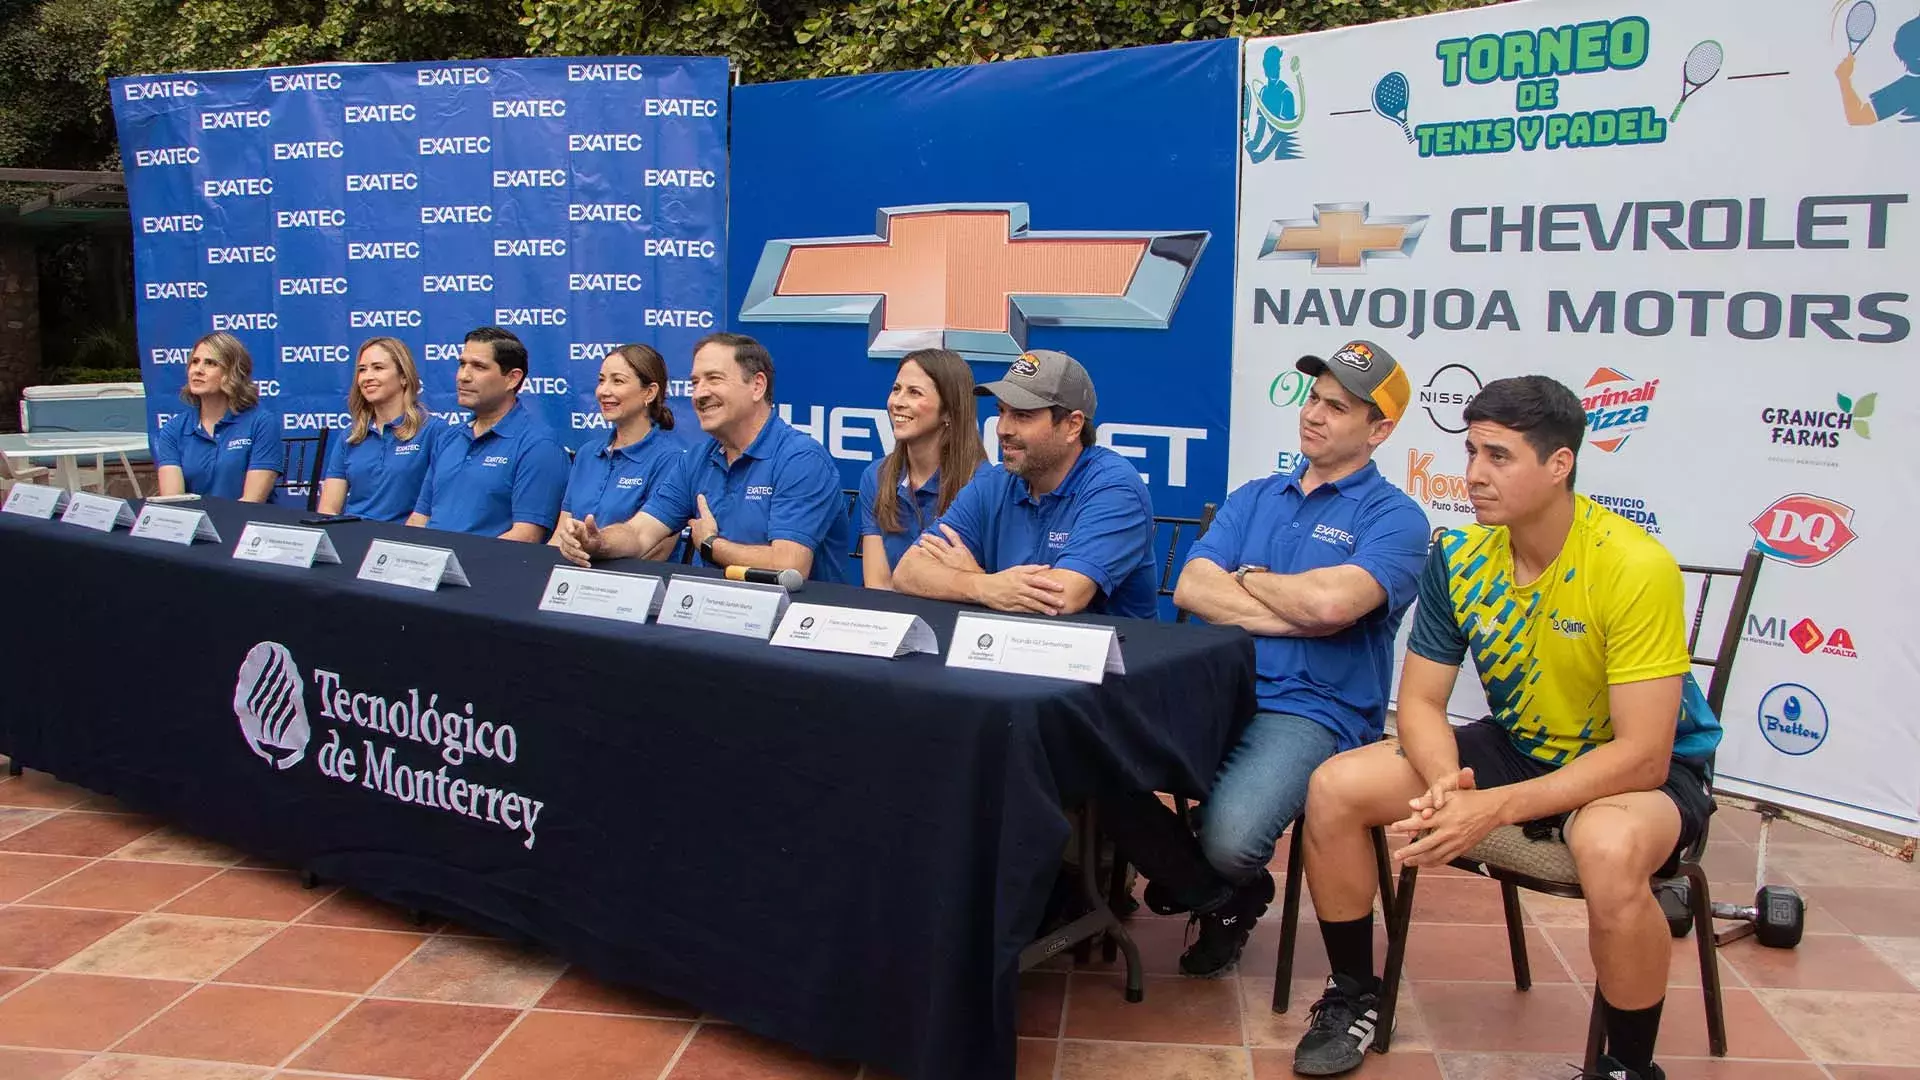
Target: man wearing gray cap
(1061, 526)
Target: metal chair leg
(1516, 936)
(1116, 903)
(1398, 916)
(1709, 962)
(1384, 862)
(14, 768)
(1290, 917)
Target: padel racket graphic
(1703, 64)
(1390, 99)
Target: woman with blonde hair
(226, 445)
(374, 468)
(936, 452)
(614, 472)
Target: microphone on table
(789, 579)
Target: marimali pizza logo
(1617, 406)
(268, 701)
(1804, 530)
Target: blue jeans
(1260, 789)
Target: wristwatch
(706, 550)
(1240, 575)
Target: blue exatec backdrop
(580, 203)
(1133, 149)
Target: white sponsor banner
(1727, 281)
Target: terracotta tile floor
(131, 952)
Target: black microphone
(789, 579)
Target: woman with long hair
(374, 469)
(613, 473)
(936, 452)
(225, 445)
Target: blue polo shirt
(1098, 522)
(218, 464)
(784, 486)
(516, 472)
(383, 472)
(918, 509)
(612, 484)
(1339, 681)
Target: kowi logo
(269, 704)
(1804, 530)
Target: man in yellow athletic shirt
(1574, 618)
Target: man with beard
(757, 492)
(1319, 564)
(504, 474)
(1061, 526)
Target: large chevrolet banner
(1702, 221)
(580, 203)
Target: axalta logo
(268, 702)
(1793, 719)
(1438, 490)
(1805, 635)
(972, 277)
(1804, 530)
(1618, 406)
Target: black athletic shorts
(1486, 748)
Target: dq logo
(1804, 530)
(268, 702)
(1793, 719)
(971, 277)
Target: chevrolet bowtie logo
(973, 278)
(1342, 236)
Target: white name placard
(174, 525)
(285, 545)
(747, 608)
(35, 500)
(602, 594)
(1063, 650)
(101, 512)
(415, 566)
(856, 631)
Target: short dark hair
(1548, 414)
(1060, 414)
(508, 350)
(753, 357)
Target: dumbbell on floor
(1777, 918)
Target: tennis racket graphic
(1861, 18)
(1703, 64)
(1390, 96)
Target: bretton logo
(1617, 407)
(1804, 530)
(271, 707)
(1341, 237)
(971, 277)
(1793, 719)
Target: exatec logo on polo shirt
(240, 443)
(494, 460)
(269, 702)
(972, 277)
(627, 482)
(1057, 539)
(1327, 534)
(759, 491)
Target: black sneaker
(1340, 1029)
(1609, 1069)
(1224, 929)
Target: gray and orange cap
(1041, 378)
(1369, 373)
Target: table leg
(131, 479)
(68, 467)
(1099, 920)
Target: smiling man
(1060, 526)
(1320, 565)
(1574, 618)
(504, 474)
(756, 492)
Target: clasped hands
(1017, 588)
(1448, 819)
(581, 540)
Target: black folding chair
(1170, 566)
(1546, 866)
(300, 473)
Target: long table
(843, 853)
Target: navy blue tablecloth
(843, 853)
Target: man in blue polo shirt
(1319, 564)
(504, 474)
(756, 492)
(1060, 526)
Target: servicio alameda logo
(270, 703)
(1804, 530)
